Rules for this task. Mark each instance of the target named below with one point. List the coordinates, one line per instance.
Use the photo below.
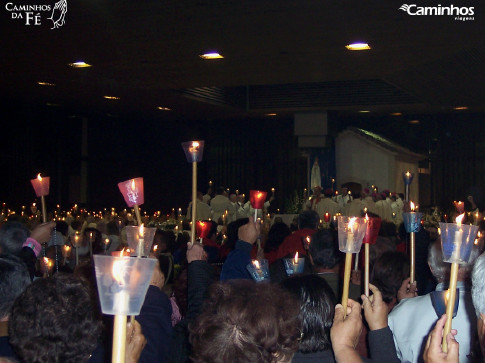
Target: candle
(120, 306)
(458, 239)
(326, 217)
(272, 190)
(140, 250)
(106, 244)
(66, 251)
(308, 241)
(350, 234)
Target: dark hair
(112, 228)
(388, 273)
(317, 306)
(232, 232)
(12, 236)
(14, 278)
(246, 322)
(276, 235)
(220, 190)
(166, 266)
(308, 219)
(324, 249)
(388, 229)
(57, 315)
(62, 227)
(76, 224)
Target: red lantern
(257, 198)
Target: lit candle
(140, 250)
(350, 234)
(272, 190)
(326, 217)
(121, 301)
(106, 244)
(458, 239)
(66, 251)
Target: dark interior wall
(239, 154)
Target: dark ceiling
(280, 56)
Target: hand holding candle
(351, 232)
(456, 243)
(371, 233)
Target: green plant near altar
(294, 204)
(432, 217)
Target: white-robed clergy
(202, 210)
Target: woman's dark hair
(276, 235)
(62, 227)
(232, 232)
(317, 307)
(112, 228)
(53, 321)
(388, 273)
(12, 236)
(246, 322)
(324, 249)
(14, 278)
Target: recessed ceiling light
(270, 114)
(364, 111)
(414, 122)
(212, 55)
(45, 84)
(460, 108)
(111, 97)
(79, 64)
(358, 46)
(164, 108)
(396, 114)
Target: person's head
(232, 232)
(317, 302)
(324, 250)
(14, 278)
(276, 235)
(388, 273)
(200, 196)
(164, 240)
(317, 191)
(62, 227)
(112, 229)
(233, 197)
(220, 191)
(246, 322)
(53, 321)
(439, 269)
(328, 193)
(12, 236)
(308, 219)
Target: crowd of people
(203, 305)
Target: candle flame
(351, 223)
(141, 230)
(296, 257)
(308, 239)
(366, 217)
(118, 270)
(67, 248)
(412, 206)
(439, 231)
(155, 248)
(133, 184)
(259, 195)
(195, 144)
(447, 296)
(256, 264)
(39, 177)
(459, 219)
(106, 241)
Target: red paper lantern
(257, 198)
(372, 230)
(132, 191)
(41, 185)
(203, 228)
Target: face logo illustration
(131, 192)
(58, 14)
